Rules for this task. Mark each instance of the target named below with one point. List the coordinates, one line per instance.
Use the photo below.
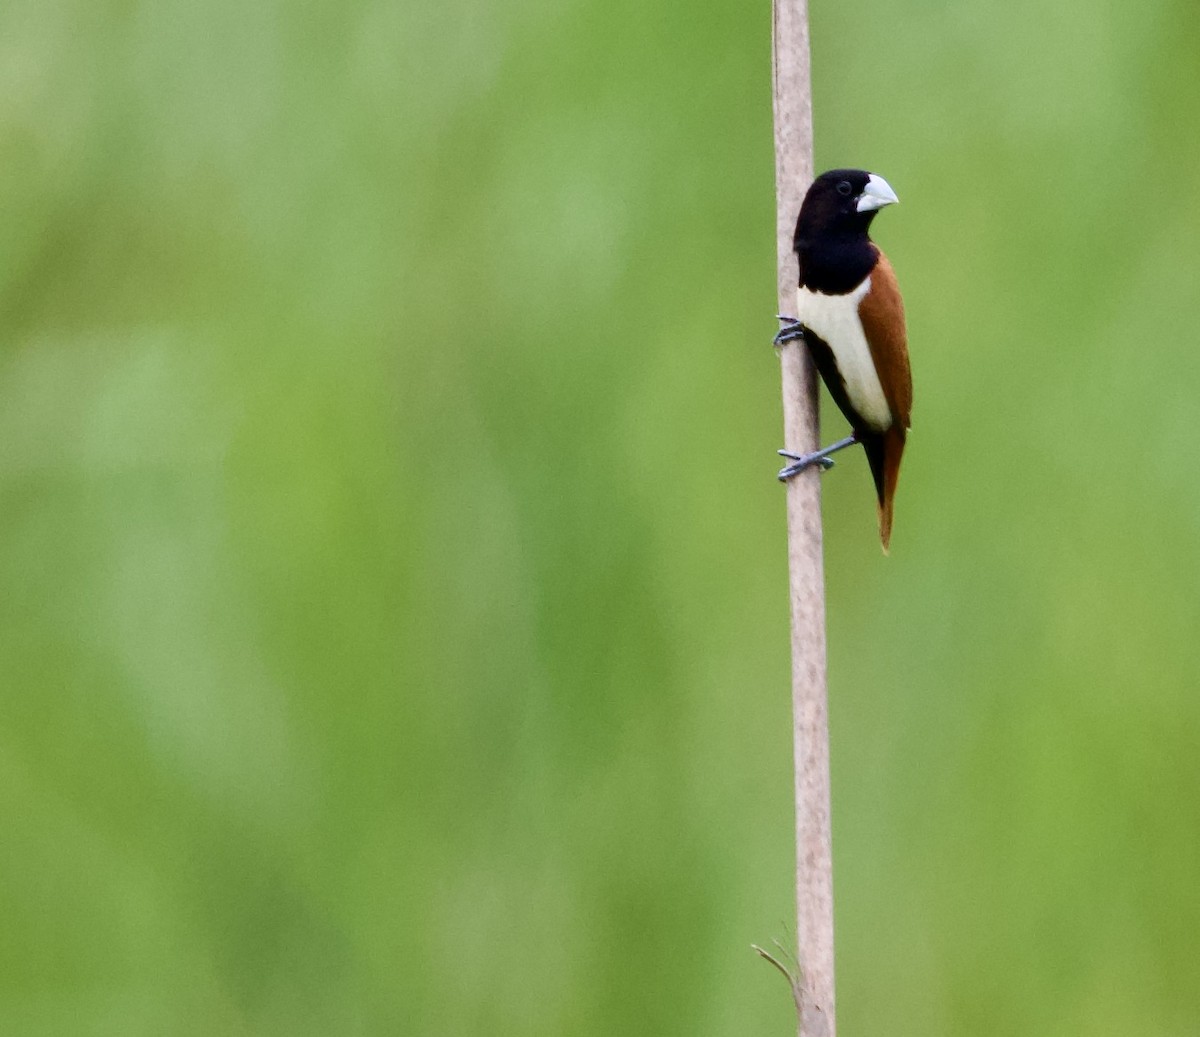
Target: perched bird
(850, 314)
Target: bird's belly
(835, 319)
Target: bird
(850, 314)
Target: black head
(831, 232)
(842, 202)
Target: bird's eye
(844, 188)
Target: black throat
(835, 264)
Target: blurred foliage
(393, 571)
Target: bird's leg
(817, 457)
(791, 331)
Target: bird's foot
(802, 461)
(791, 331)
(820, 458)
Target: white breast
(835, 319)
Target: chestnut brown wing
(882, 314)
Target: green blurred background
(394, 606)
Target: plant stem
(814, 864)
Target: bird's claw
(791, 331)
(802, 461)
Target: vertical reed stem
(814, 864)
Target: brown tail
(883, 455)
